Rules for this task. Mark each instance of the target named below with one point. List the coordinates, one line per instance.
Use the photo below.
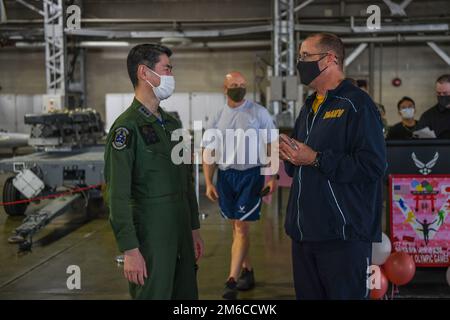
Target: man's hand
(272, 184)
(295, 152)
(198, 244)
(135, 269)
(211, 192)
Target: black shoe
(246, 280)
(230, 292)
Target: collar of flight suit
(165, 131)
(145, 113)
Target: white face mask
(165, 88)
(407, 113)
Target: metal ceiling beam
(110, 34)
(397, 9)
(355, 53)
(205, 22)
(162, 34)
(441, 53)
(403, 28)
(125, 44)
(247, 43)
(298, 8)
(113, 34)
(30, 6)
(302, 5)
(322, 28)
(396, 39)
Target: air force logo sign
(121, 138)
(425, 168)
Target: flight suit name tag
(149, 134)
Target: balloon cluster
(397, 267)
(421, 187)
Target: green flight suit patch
(149, 134)
(121, 138)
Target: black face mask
(309, 70)
(236, 94)
(444, 101)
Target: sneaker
(246, 280)
(230, 292)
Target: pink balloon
(400, 268)
(377, 294)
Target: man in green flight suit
(153, 207)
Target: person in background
(362, 84)
(405, 128)
(437, 118)
(239, 185)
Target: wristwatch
(316, 162)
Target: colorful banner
(420, 223)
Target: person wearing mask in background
(362, 84)
(152, 204)
(437, 118)
(404, 129)
(239, 185)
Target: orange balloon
(400, 268)
(377, 294)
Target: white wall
(13, 109)
(191, 106)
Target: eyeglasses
(305, 56)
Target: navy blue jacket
(342, 199)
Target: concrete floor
(72, 239)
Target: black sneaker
(246, 280)
(230, 292)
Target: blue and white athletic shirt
(249, 118)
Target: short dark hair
(444, 78)
(405, 99)
(147, 54)
(331, 42)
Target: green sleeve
(119, 159)
(192, 198)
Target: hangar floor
(73, 239)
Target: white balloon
(448, 276)
(381, 250)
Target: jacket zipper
(308, 131)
